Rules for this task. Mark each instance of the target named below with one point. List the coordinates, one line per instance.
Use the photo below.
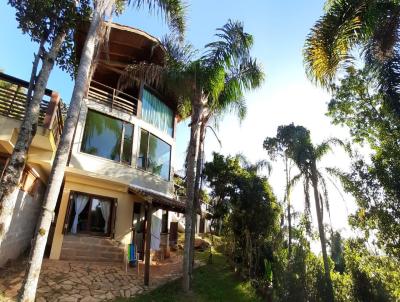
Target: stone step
(86, 248)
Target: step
(87, 248)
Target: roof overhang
(159, 200)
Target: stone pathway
(66, 281)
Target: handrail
(112, 97)
(13, 104)
(10, 79)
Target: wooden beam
(148, 244)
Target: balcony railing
(112, 97)
(13, 103)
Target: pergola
(153, 202)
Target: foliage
(44, 20)
(212, 282)
(369, 25)
(295, 143)
(374, 277)
(357, 104)
(250, 211)
(337, 253)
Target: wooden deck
(13, 104)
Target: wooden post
(52, 110)
(148, 241)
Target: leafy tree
(251, 217)
(50, 24)
(102, 10)
(275, 149)
(357, 104)
(369, 25)
(374, 277)
(205, 85)
(337, 252)
(296, 141)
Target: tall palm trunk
(314, 180)
(193, 153)
(28, 289)
(16, 165)
(197, 186)
(287, 197)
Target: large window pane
(159, 157)
(154, 155)
(102, 136)
(127, 148)
(144, 142)
(155, 112)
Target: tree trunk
(288, 207)
(197, 188)
(314, 179)
(29, 286)
(190, 191)
(12, 175)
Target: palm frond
(330, 172)
(150, 73)
(174, 12)
(295, 180)
(325, 199)
(329, 44)
(326, 146)
(233, 43)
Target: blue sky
(279, 29)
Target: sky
(279, 29)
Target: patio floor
(69, 281)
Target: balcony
(13, 104)
(113, 98)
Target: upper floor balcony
(12, 111)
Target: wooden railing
(112, 97)
(13, 103)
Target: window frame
(121, 147)
(147, 155)
(68, 216)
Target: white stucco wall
(19, 236)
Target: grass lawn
(212, 282)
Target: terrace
(13, 103)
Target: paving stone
(88, 282)
(89, 299)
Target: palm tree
(369, 25)
(206, 86)
(295, 142)
(174, 11)
(275, 148)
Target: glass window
(144, 143)
(128, 140)
(155, 112)
(154, 155)
(90, 214)
(104, 135)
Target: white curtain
(155, 112)
(80, 204)
(105, 211)
(155, 233)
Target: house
(39, 159)
(118, 185)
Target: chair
(132, 257)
